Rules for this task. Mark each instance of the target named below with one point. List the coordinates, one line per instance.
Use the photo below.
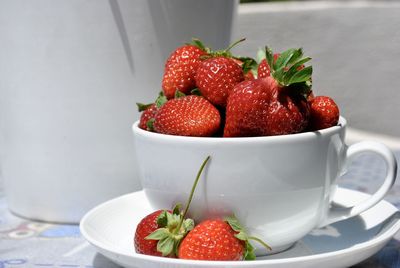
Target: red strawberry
(148, 113)
(263, 69)
(247, 65)
(181, 67)
(147, 226)
(216, 77)
(212, 240)
(187, 116)
(218, 240)
(249, 76)
(288, 112)
(160, 233)
(247, 108)
(274, 105)
(324, 113)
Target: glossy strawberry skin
(188, 116)
(211, 240)
(263, 69)
(324, 113)
(216, 78)
(288, 113)
(145, 227)
(262, 108)
(247, 109)
(180, 69)
(146, 115)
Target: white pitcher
(71, 72)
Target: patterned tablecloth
(25, 243)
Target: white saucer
(110, 227)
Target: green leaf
(179, 94)
(173, 220)
(301, 76)
(294, 68)
(162, 220)
(297, 55)
(196, 42)
(158, 234)
(248, 64)
(284, 58)
(188, 224)
(150, 124)
(241, 236)
(249, 254)
(270, 57)
(234, 223)
(177, 209)
(142, 107)
(195, 91)
(161, 100)
(166, 246)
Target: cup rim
(303, 135)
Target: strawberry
(187, 116)
(247, 108)
(274, 105)
(212, 240)
(181, 67)
(149, 111)
(160, 232)
(145, 227)
(324, 113)
(249, 76)
(248, 65)
(288, 112)
(218, 240)
(217, 75)
(263, 69)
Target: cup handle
(338, 214)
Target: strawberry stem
(260, 241)
(192, 192)
(234, 44)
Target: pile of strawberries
(209, 93)
(169, 233)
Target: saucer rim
(373, 242)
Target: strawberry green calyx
(195, 91)
(179, 94)
(196, 42)
(249, 64)
(242, 235)
(142, 107)
(289, 71)
(221, 53)
(161, 100)
(174, 226)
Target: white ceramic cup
(71, 72)
(280, 187)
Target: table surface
(25, 243)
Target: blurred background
(355, 46)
